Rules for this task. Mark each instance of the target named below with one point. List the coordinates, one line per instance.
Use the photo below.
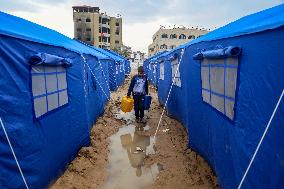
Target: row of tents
(53, 89)
(224, 87)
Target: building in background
(166, 39)
(137, 59)
(96, 28)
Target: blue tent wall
(105, 74)
(44, 146)
(116, 77)
(127, 67)
(177, 105)
(229, 145)
(164, 85)
(97, 92)
(120, 72)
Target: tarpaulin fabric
(96, 89)
(49, 60)
(218, 53)
(151, 68)
(127, 67)
(116, 68)
(44, 146)
(228, 145)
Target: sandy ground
(181, 167)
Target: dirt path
(179, 166)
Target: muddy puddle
(128, 149)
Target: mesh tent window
(176, 73)
(219, 80)
(49, 88)
(162, 71)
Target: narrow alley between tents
(109, 163)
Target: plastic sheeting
(228, 145)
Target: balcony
(105, 34)
(104, 16)
(105, 26)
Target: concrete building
(166, 39)
(95, 28)
(137, 59)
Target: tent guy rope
(84, 59)
(164, 109)
(11, 147)
(261, 140)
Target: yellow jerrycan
(127, 104)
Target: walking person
(139, 88)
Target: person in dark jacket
(139, 88)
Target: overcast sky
(141, 18)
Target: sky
(141, 18)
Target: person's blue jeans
(139, 106)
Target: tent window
(175, 73)
(219, 78)
(49, 88)
(162, 71)
(121, 67)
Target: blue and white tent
(44, 103)
(116, 69)
(127, 67)
(151, 68)
(227, 86)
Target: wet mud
(124, 155)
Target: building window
(117, 32)
(175, 73)
(78, 20)
(191, 37)
(88, 39)
(88, 29)
(173, 36)
(88, 20)
(164, 35)
(219, 80)
(162, 71)
(79, 38)
(182, 36)
(164, 46)
(173, 46)
(49, 88)
(79, 29)
(116, 24)
(116, 42)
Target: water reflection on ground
(128, 148)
